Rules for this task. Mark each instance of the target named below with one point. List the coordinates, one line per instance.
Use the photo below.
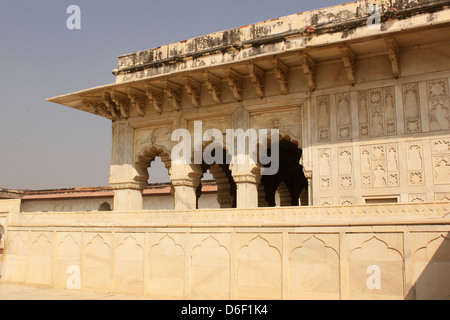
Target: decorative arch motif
(167, 272)
(97, 263)
(259, 269)
(129, 276)
(389, 260)
(210, 270)
(144, 159)
(432, 267)
(41, 261)
(314, 268)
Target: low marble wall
(399, 251)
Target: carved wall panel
(17, 257)
(363, 114)
(379, 166)
(210, 267)
(343, 116)
(325, 169)
(442, 197)
(259, 269)
(415, 159)
(41, 262)
(97, 262)
(345, 156)
(418, 198)
(323, 118)
(411, 108)
(324, 202)
(129, 273)
(288, 122)
(347, 201)
(440, 149)
(376, 266)
(377, 112)
(68, 253)
(438, 104)
(432, 265)
(314, 266)
(382, 112)
(167, 268)
(221, 124)
(158, 137)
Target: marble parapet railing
(423, 213)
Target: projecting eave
(77, 100)
(220, 71)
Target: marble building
(363, 186)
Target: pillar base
(128, 199)
(246, 190)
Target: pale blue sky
(44, 145)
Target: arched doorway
(289, 182)
(2, 239)
(221, 175)
(145, 160)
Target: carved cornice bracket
(235, 82)
(193, 89)
(138, 100)
(155, 97)
(349, 59)
(394, 55)
(97, 106)
(173, 92)
(281, 73)
(309, 68)
(122, 101)
(111, 108)
(257, 75)
(213, 83)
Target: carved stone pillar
(247, 182)
(127, 191)
(128, 198)
(185, 182)
(308, 176)
(185, 193)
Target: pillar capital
(129, 185)
(247, 178)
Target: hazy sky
(44, 145)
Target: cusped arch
(68, 248)
(377, 243)
(210, 270)
(146, 156)
(42, 246)
(18, 245)
(211, 242)
(129, 249)
(309, 242)
(314, 270)
(259, 241)
(428, 252)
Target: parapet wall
(301, 31)
(349, 252)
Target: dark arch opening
(289, 181)
(221, 173)
(2, 235)
(105, 206)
